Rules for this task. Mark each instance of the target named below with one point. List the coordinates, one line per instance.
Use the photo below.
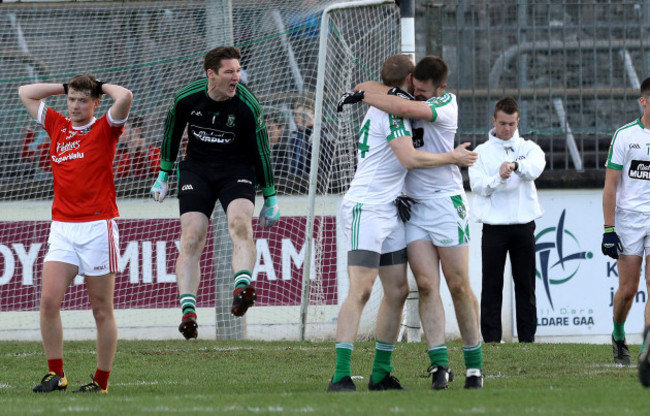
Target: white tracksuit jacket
(511, 201)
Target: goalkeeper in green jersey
(227, 156)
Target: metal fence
(574, 66)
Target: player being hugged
(227, 155)
(83, 237)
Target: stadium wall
(574, 287)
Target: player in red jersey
(83, 237)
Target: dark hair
(395, 70)
(645, 87)
(431, 68)
(508, 105)
(212, 59)
(85, 83)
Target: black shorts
(201, 184)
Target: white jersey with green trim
(437, 136)
(629, 152)
(379, 178)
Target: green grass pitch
(290, 378)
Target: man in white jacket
(505, 201)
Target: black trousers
(497, 241)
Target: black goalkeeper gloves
(611, 245)
(404, 203)
(401, 93)
(350, 98)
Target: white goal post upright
(407, 30)
(407, 47)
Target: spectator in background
(276, 128)
(36, 150)
(292, 154)
(505, 201)
(134, 158)
(300, 140)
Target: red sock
(56, 366)
(101, 378)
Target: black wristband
(65, 89)
(516, 166)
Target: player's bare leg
(240, 228)
(100, 292)
(389, 317)
(629, 274)
(194, 228)
(629, 269)
(455, 266)
(646, 314)
(425, 263)
(347, 324)
(361, 282)
(396, 290)
(57, 277)
(644, 354)
(239, 214)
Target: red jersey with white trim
(82, 165)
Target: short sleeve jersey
(220, 133)
(82, 166)
(379, 177)
(629, 152)
(436, 136)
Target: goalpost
(297, 56)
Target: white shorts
(633, 228)
(443, 221)
(372, 227)
(91, 246)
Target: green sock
(188, 303)
(343, 360)
(619, 331)
(381, 365)
(439, 355)
(473, 356)
(242, 279)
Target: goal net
(154, 48)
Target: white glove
(270, 212)
(159, 188)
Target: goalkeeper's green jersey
(220, 133)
